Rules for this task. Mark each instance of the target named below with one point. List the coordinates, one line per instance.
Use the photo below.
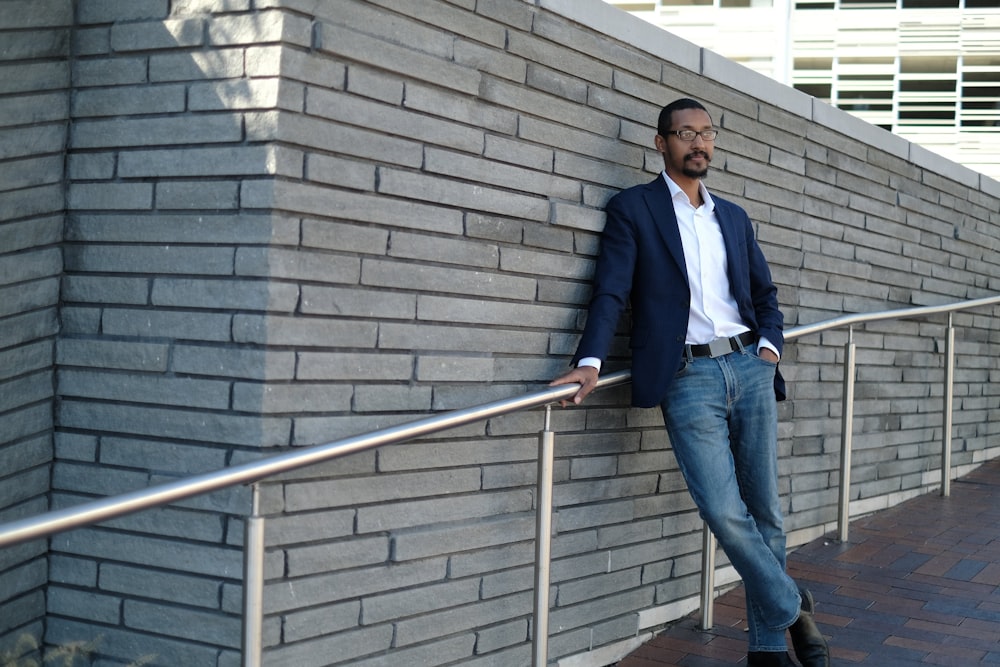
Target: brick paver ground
(915, 585)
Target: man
(706, 338)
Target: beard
(691, 172)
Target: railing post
(846, 437)
(707, 578)
(253, 583)
(949, 394)
(543, 542)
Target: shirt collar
(675, 191)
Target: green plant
(66, 655)
(25, 644)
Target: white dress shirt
(714, 313)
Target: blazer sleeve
(764, 295)
(612, 281)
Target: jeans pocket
(756, 355)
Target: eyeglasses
(689, 135)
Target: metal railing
(103, 509)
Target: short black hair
(667, 113)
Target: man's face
(687, 158)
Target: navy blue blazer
(642, 260)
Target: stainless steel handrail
(847, 415)
(103, 509)
(111, 507)
(847, 419)
(899, 314)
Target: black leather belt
(721, 346)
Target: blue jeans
(721, 416)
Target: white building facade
(927, 70)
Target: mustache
(694, 154)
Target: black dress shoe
(766, 659)
(810, 645)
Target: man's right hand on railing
(585, 376)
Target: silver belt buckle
(719, 347)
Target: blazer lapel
(734, 257)
(661, 210)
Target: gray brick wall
(34, 110)
(290, 222)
